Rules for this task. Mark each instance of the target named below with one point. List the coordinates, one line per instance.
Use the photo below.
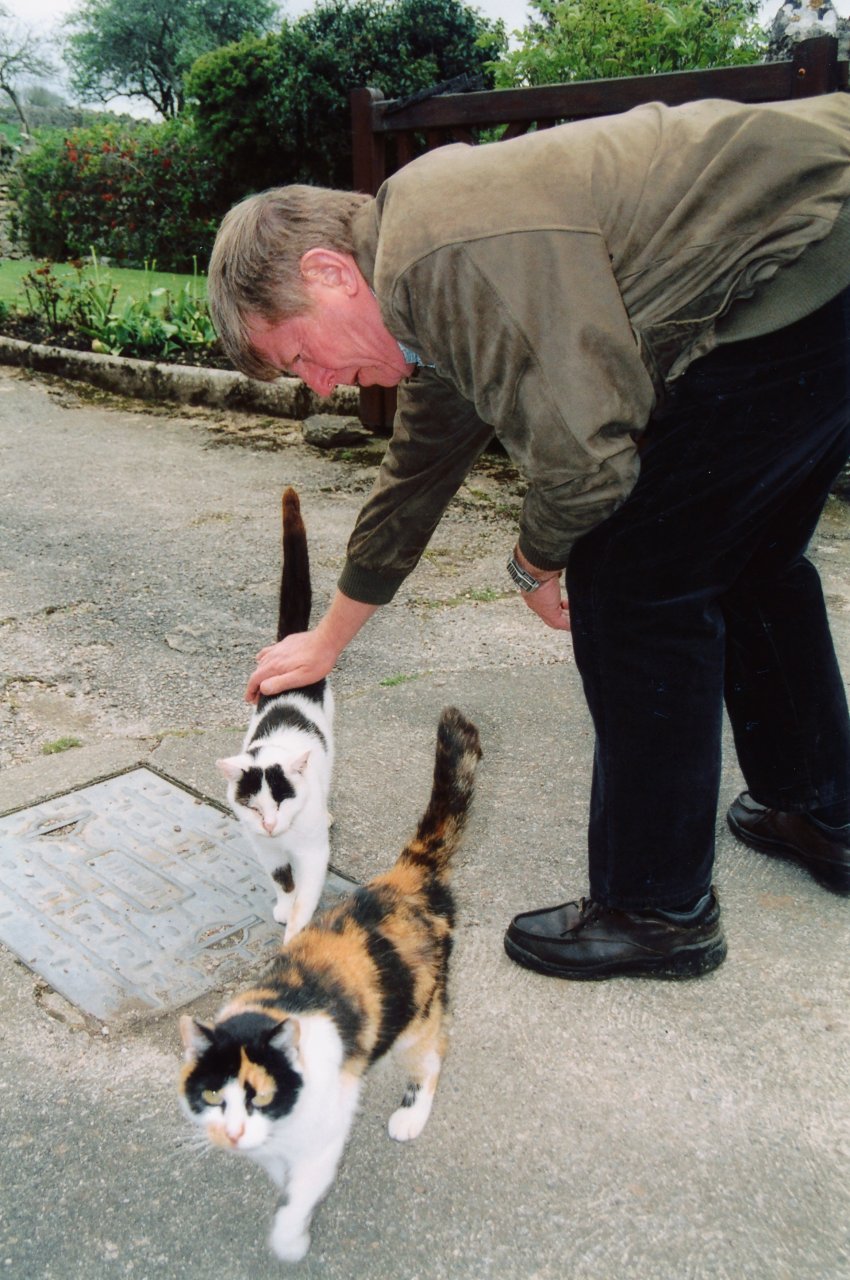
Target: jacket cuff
(366, 586)
(537, 557)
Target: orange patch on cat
(251, 1073)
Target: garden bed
(29, 329)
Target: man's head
(286, 294)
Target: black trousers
(697, 590)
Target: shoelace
(588, 911)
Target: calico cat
(278, 1075)
(278, 785)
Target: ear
(299, 764)
(233, 766)
(195, 1036)
(286, 1039)
(333, 269)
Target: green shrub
(133, 193)
(158, 324)
(275, 109)
(593, 39)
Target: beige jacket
(559, 281)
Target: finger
(277, 684)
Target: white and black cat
(278, 1075)
(279, 783)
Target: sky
(44, 16)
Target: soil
(29, 329)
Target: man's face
(340, 341)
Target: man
(650, 312)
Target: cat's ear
(195, 1036)
(299, 764)
(234, 766)
(286, 1039)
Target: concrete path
(615, 1131)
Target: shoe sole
(684, 964)
(836, 879)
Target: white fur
(301, 1151)
(294, 834)
(407, 1123)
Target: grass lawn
(130, 283)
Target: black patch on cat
(370, 907)
(283, 715)
(411, 1093)
(279, 785)
(315, 692)
(396, 986)
(299, 990)
(249, 785)
(283, 876)
(222, 1060)
(440, 899)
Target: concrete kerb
(182, 384)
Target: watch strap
(524, 580)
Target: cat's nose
(268, 824)
(233, 1135)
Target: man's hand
(290, 664)
(546, 601)
(307, 656)
(549, 605)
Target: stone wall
(8, 155)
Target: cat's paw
(286, 1245)
(406, 1123)
(281, 912)
(299, 918)
(290, 931)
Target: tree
(20, 55)
(592, 39)
(120, 48)
(277, 110)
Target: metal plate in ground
(133, 894)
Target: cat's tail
(441, 826)
(295, 592)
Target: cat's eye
(263, 1099)
(212, 1097)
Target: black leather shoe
(586, 940)
(795, 836)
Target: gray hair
(255, 268)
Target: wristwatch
(524, 580)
